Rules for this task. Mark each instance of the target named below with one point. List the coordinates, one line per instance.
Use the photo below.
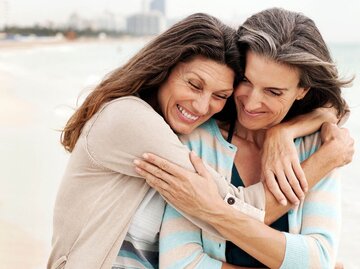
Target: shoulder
(126, 104)
(123, 113)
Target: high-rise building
(158, 5)
(151, 23)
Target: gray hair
(293, 39)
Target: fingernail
(283, 202)
(145, 156)
(136, 162)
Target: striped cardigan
(314, 225)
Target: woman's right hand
(340, 141)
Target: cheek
(217, 106)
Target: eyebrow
(275, 88)
(203, 81)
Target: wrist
(330, 147)
(326, 156)
(284, 129)
(218, 213)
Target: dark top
(234, 254)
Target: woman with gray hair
(288, 71)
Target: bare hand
(192, 193)
(281, 167)
(340, 140)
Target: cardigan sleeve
(315, 225)
(181, 244)
(127, 127)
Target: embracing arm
(281, 170)
(337, 150)
(185, 188)
(314, 228)
(184, 245)
(127, 127)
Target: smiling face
(194, 92)
(267, 93)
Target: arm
(184, 245)
(337, 150)
(281, 168)
(181, 244)
(125, 128)
(314, 228)
(186, 189)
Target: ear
(302, 93)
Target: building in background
(158, 5)
(151, 21)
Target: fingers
(165, 165)
(152, 172)
(154, 182)
(273, 187)
(300, 175)
(286, 188)
(282, 188)
(294, 185)
(158, 184)
(198, 164)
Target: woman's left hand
(281, 169)
(190, 192)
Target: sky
(337, 20)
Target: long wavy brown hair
(198, 34)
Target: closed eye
(274, 92)
(221, 96)
(194, 85)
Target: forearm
(315, 168)
(309, 123)
(250, 235)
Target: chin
(185, 131)
(182, 130)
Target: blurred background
(53, 52)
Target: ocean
(39, 87)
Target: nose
(253, 100)
(201, 104)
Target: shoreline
(45, 42)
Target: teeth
(187, 115)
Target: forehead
(208, 71)
(266, 72)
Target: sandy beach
(19, 249)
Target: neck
(254, 136)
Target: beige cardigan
(101, 191)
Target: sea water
(40, 86)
